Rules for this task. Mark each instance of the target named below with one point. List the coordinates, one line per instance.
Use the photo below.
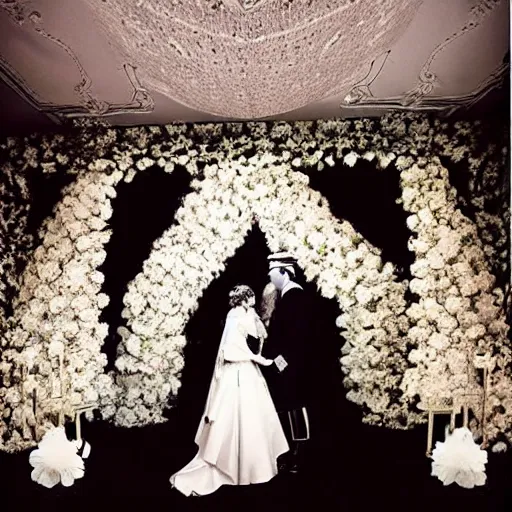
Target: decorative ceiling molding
(140, 102)
(445, 104)
(236, 58)
(89, 105)
(156, 61)
(18, 84)
(361, 91)
(427, 80)
(15, 9)
(417, 97)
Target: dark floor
(349, 467)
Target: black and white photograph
(255, 255)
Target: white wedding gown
(243, 437)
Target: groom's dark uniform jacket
(292, 335)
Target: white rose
(426, 217)
(105, 211)
(439, 341)
(58, 304)
(88, 315)
(435, 260)
(80, 211)
(468, 287)
(350, 159)
(453, 304)
(475, 332)
(363, 294)
(103, 300)
(97, 277)
(419, 286)
(133, 345)
(447, 323)
(418, 246)
(420, 269)
(81, 302)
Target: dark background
(350, 466)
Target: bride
(240, 436)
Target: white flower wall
(398, 350)
(14, 239)
(487, 189)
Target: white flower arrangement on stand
(56, 460)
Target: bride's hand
(264, 361)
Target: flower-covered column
(483, 168)
(57, 311)
(458, 313)
(210, 226)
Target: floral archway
(211, 225)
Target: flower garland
(60, 301)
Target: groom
(289, 344)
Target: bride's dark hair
(239, 295)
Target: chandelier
(247, 59)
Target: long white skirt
(241, 443)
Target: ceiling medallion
(249, 59)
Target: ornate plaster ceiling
(253, 59)
(157, 61)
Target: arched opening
(371, 213)
(46, 191)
